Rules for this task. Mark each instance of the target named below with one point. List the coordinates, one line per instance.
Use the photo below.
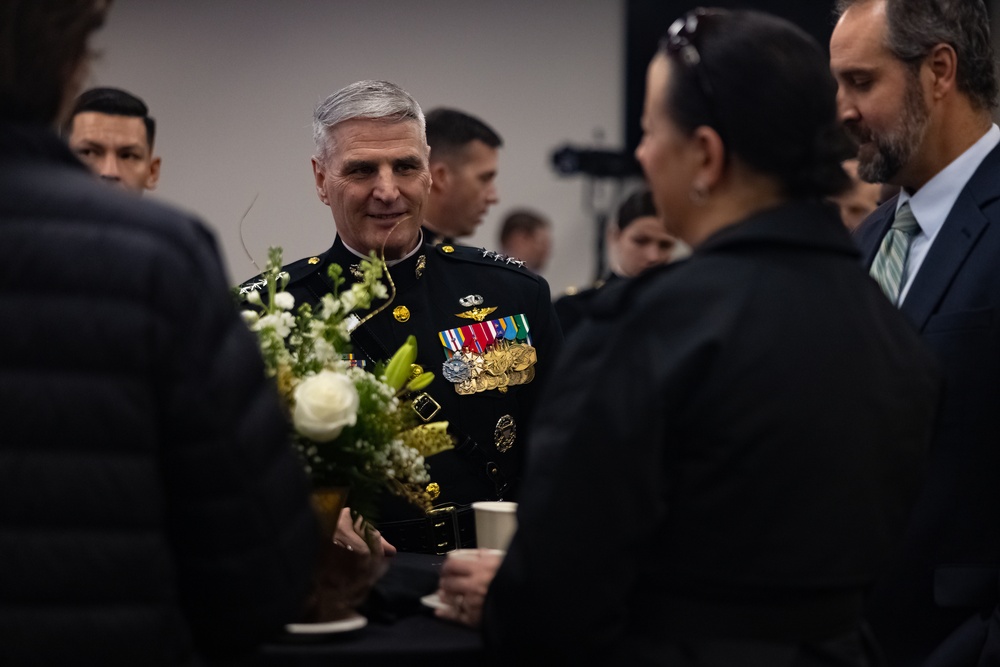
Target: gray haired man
(371, 168)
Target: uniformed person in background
(638, 240)
(371, 169)
(465, 153)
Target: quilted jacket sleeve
(238, 512)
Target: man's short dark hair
(521, 221)
(115, 102)
(917, 26)
(450, 130)
(42, 45)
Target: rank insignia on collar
(357, 272)
(421, 265)
(477, 314)
(253, 286)
(314, 260)
(471, 300)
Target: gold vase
(327, 502)
(343, 577)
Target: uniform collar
(405, 272)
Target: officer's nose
(386, 189)
(492, 196)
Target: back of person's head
(521, 221)
(114, 102)
(43, 49)
(450, 130)
(764, 85)
(369, 100)
(915, 27)
(637, 205)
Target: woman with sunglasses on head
(725, 456)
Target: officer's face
(375, 179)
(116, 149)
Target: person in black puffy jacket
(152, 511)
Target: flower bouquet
(351, 427)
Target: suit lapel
(962, 229)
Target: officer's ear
(319, 174)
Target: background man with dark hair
(463, 164)
(152, 511)
(527, 236)
(917, 83)
(112, 133)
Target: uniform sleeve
(595, 489)
(239, 520)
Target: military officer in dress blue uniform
(468, 308)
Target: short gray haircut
(917, 26)
(374, 100)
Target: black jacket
(728, 450)
(151, 508)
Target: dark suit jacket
(727, 450)
(947, 575)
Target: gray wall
(232, 84)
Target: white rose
(324, 404)
(284, 300)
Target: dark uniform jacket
(151, 507)
(572, 308)
(433, 287)
(940, 602)
(727, 451)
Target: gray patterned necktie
(889, 267)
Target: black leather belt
(442, 530)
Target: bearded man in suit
(916, 88)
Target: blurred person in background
(464, 158)
(527, 236)
(858, 202)
(637, 241)
(111, 131)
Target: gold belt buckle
(425, 406)
(439, 518)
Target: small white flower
(281, 323)
(324, 404)
(253, 296)
(284, 300)
(249, 317)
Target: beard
(880, 158)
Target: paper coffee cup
(496, 523)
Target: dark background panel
(648, 20)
